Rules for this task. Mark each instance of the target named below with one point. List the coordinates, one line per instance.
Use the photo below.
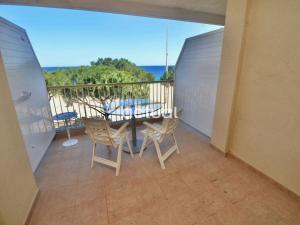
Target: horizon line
(89, 65)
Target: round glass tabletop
(65, 116)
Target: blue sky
(63, 37)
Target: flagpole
(167, 50)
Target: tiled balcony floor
(199, 186)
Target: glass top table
(131, 108)
(66, 117)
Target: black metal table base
(135, 149)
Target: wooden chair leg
(161, 161)
(143, 145)
(119, 157)
(129, 146)
(94, 149)
(175, 142)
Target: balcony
(256, 83)
(198, 186)
(112, 101)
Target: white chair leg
(161, 161)
(94, 149)
(175, 142)
(143, 145)
(119, 157)
(129, 146)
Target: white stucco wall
(28, 90)
(197, 72)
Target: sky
(63, 37)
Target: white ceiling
(209, 6)
(205, 11)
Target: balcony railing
(113, 101)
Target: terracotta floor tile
(46, 216)
(236, 215)
(120, 205)
(57, 199)
(294, 219)
(89, 191)
(198, 187)
(131, 219)
(172, 185)
(234, 187)
(209, 220)
(91, 212)
(66, 217)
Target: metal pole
(167, 51)
(67, 128)
(133, 130)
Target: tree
(124, 65)
(168, 75)
(103, 70)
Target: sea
(157, 71)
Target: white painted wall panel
(197, 72)
(25, 77)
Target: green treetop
(104, 70)
(168, 75)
